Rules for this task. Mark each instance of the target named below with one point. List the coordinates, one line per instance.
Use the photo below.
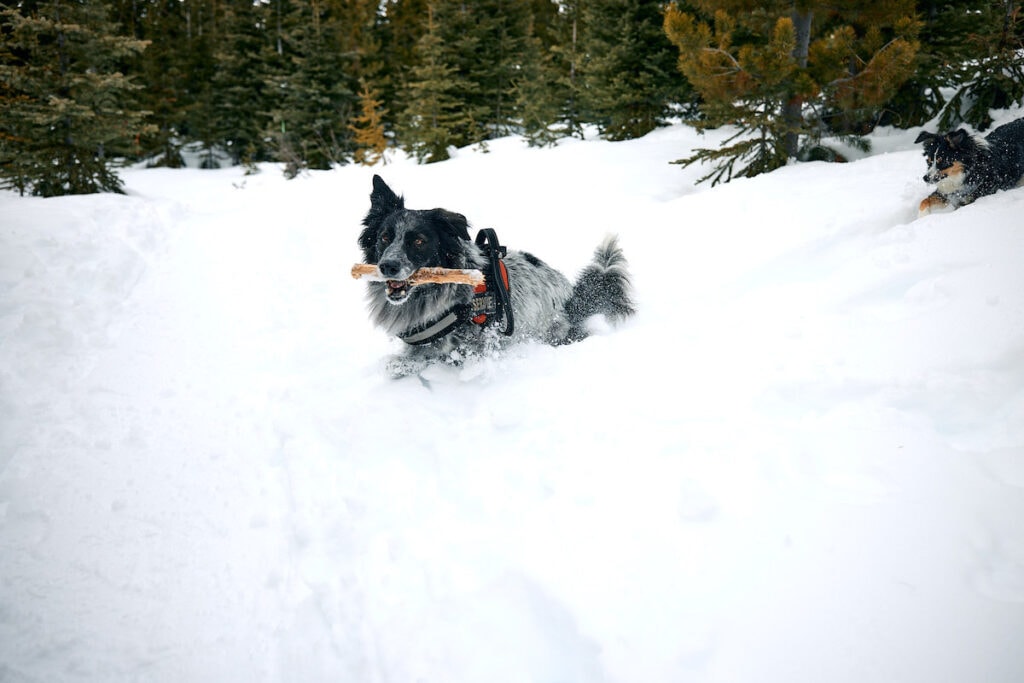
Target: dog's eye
(419, 242)
(385, 239)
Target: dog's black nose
(389, 268)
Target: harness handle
(497, 275)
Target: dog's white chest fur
(951, 184)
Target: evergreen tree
(492, 49)
(542, 96)
(548, 20)
(945, 39)
(401, 26)
(163, 70)
(544, 85)
(368, 128)
(993, 76)
(64, 106)
(434, 117)
(859, 61)
(315, 91)
(358, 31)
(567, 55)
(480, 41)
(629, 78)
(203, 20)
(239, 97)
(785, 72)
(479, 66)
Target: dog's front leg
(415, 359)
(405, 364)
(933, 202)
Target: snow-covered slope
(802, 461)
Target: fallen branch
(423, 276)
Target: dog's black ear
(455, 223)
(383, 203)
(453, 231)
(924, 135)
(957, 138)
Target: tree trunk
(792, 113)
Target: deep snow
(802, 461)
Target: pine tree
(787, 73)
(945, 39)
(500, 46)
(63, 104)
(238, 92)
(402, 25)
(470, 42)
(629, 79)
(315, 89)
(542, 96)
(203, 35)
(544, 85)
(434, 118)
(567, 55)
(481, 68)
(163, 70)
(993, 78)
(368, 127)
(358, 31)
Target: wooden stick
(423, 276)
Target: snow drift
(802, 461)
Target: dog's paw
(931, 204)
(401, 366)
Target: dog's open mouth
(398, 290)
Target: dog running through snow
(545, 305)
(963, 167)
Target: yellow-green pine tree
(368, 127)
(787, 72)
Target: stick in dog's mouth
(423, 276)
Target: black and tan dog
(964, 167)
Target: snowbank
(802, 461)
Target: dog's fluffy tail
(603, 288)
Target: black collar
(424, 334)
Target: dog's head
(401, 240)
(949, 157)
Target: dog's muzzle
(934, 175)
(397, 290)
(396, 282)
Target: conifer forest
(88, 85)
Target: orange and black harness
(491, 300)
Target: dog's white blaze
(396, 252)
(950, 184)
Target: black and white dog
(964, 167)
(437, 321)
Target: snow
(802, 461)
